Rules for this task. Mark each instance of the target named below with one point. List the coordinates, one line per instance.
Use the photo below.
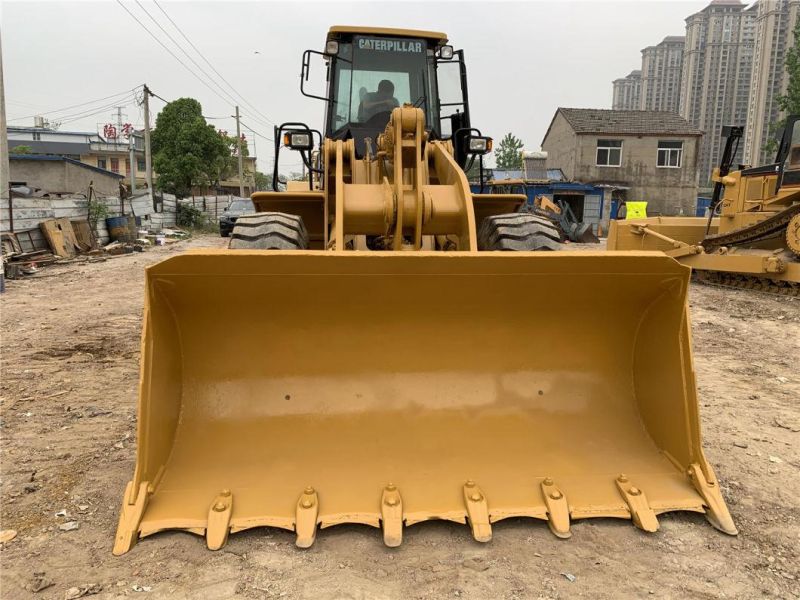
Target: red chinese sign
(110, 131)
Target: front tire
(269, 231)
(518, 232)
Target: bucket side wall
(160, 383)
(664, 379)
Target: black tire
(269, 231)
(518, 232)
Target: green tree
(21, 150)
(187, 151)
(474, 175)
(509, 152)
(789, 103)
(228, 165)
(263, 181)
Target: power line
(256, 132)
(171, 53)
(196, 49)
(185, 53)
(94, 111)
(55, 110)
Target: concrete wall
(561, 145)
(61, 177)
(29, 212)
(668, 191)
(78, 179)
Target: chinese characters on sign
(110, 131)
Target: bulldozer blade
(301, 390)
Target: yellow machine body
(266, 373)
(753, 242)
(302, 389)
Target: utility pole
(239, 152)
(148, 159)
(131, 157)
(5, 178)
(132, 160)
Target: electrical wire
(171, 53)
(185, 53)
(196, 49)
(261, 135)
(91, 112)
(55, 110)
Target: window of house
(115, 165)
(140, 165)
(609, 153)
(101, 163)
(670, 154)
(127, 165)
(37, 136)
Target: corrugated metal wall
(29, 212)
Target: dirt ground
(70, 346)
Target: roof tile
(632, 122)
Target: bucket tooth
(306, 519)
(557, 509)
(392, 516)
(478, 512)
(130, 517)
(219, 520)
(641, 513)
(716, 510)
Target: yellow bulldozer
(751, 238)
(373, 370)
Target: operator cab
(371, 71)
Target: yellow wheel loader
(374, 372)
(751, 238)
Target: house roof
(21, 129)
(42, 148)
(624, 122)
(47, 157)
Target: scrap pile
(75, 240)
(564, 219)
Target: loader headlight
(446, 52)
(479, 145)
(297, 140)
(332, 47)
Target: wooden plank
(60, 237)
(83, 234)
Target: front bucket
(297, 389)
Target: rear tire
(518, 232)
(269, 231)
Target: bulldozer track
(748, 282)
(771, 227)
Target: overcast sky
(524, 59)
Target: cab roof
(338, 31)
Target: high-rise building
(661, 75)
(775, 21)
(717, 68)
(627, 91)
